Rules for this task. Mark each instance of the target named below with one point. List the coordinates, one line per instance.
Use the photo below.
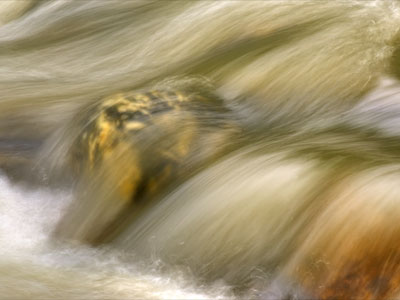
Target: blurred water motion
(199, 149)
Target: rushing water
(302, 203)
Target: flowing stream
(303, 205)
